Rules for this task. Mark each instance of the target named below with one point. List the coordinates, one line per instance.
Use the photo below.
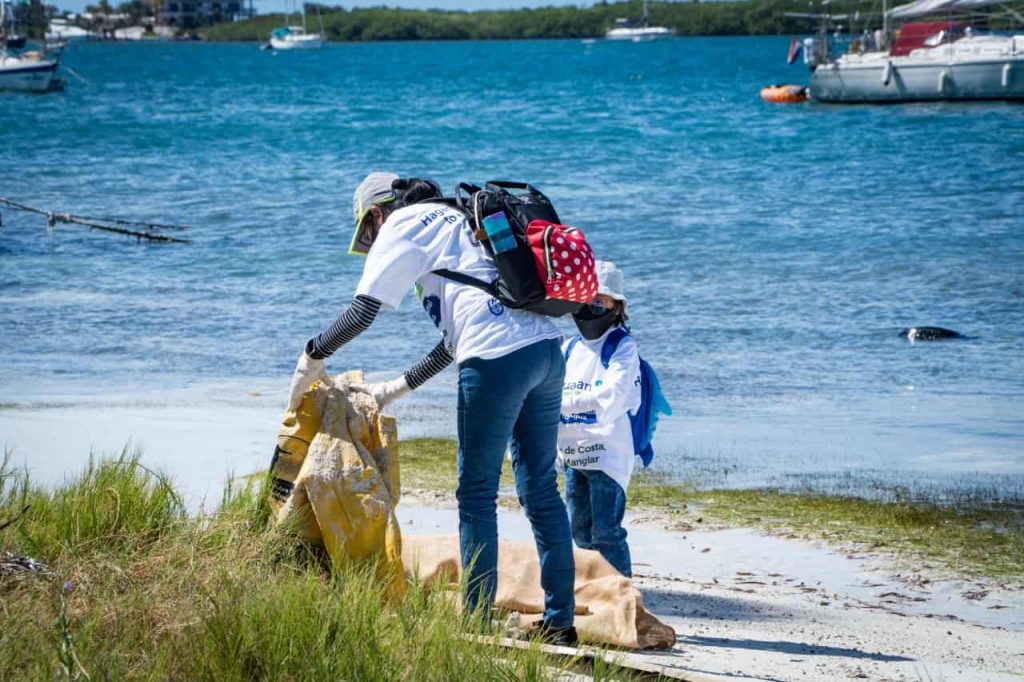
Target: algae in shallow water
(975, 538)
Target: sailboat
(30, 71)
(290, 37)
(625, 30)
(938, 60)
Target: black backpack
(518, 285)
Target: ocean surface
(772, 253)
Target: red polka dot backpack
(564, 261)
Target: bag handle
(506, 185)
(466, 197)
(470, 190)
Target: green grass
(430, 464)
(969, 538)
(137, 589)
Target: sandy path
(748, 606)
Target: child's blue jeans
(596, 507)
(514, 400)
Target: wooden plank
(621, 659)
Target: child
(595, 440)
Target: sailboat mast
(645, 21)
(885, 20)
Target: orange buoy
(784, 94)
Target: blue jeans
(596, 507)
(513, 400)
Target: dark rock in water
(930, 334)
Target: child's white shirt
(595, 431)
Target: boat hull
(296, 44)
(983, 69)
(637, 35)
(919, 83)
(27, 77)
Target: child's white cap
(609, 282)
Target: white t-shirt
(417, 239)
(595, 432)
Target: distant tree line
(750, 17)
(27, 18)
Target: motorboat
(625, 29)
(59, 30)
(290, 37)
(934, 60)
(130, 33)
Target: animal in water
(930, 334)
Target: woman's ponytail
(409, 191)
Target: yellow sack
(335, 477)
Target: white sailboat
(30, 71)
(290, 37)
(924, 60)
(625, 30)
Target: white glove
(387, 392)
(307, 371)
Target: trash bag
(335, 478)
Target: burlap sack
(340, 491)
(609, 608)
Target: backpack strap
(611, 344)
(462, 278)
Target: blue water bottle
(499, 232)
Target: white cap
(609, 282)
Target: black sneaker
(550, 634)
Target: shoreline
(748, 601)
(204, 437)
(721, 446)
(871, 579)
(973, 540)
(746, 605)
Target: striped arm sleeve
(350, 324)
(435, 361)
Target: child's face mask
(592, 323)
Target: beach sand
(744, 605)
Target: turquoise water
(772, 253)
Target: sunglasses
(598, 308)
